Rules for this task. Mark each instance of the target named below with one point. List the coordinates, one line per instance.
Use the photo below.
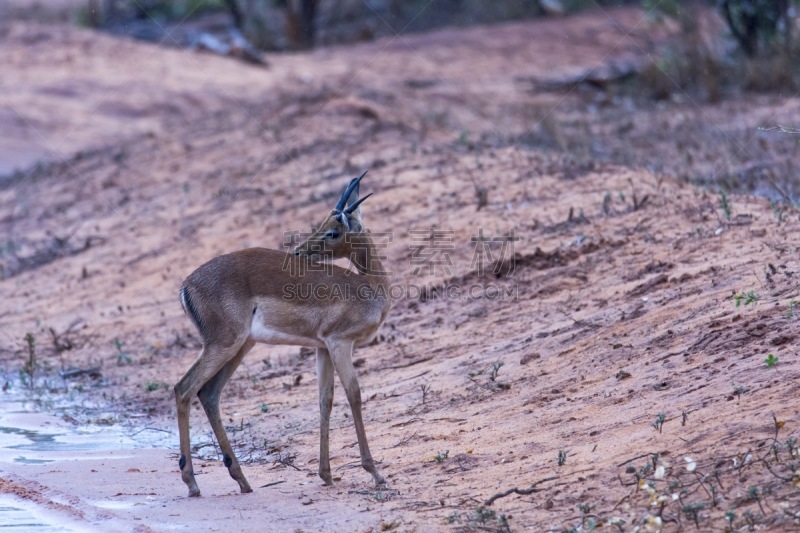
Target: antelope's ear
(354, 224)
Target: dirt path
(618, 308)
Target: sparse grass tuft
(495, 369)
(747, 298)
(29, 369)
(658, 423)
(123, 358)
(481, 519)
(792, 312)
(561, 459)
(724, 205)
(778, 209)
(492, 384)
(425, 389)
(738, 390)
(155, 385)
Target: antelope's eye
(332, 234)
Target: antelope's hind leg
(209, 398)
(206, 367)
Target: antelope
(239, 299)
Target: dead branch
(522, 492)
(635, 459)
(286, 461)
(238, 47)
(61, 341)
(150, 429)
(273, 483)
(405, 440)
(74, 372)
(782, 129)
(405, 365)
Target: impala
(239, 299)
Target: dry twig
(522, 492)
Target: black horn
(346, 194)
(352, 207)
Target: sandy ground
(613, 304)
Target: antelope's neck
(366, 257)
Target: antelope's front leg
(342, 356)
(325, 383)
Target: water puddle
(36, 438)
(28, 461)
(19, 515)
(26, 438)
(36, 441)
(106, 504)
(28, 434)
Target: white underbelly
(266, 335)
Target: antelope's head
(332, 239)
